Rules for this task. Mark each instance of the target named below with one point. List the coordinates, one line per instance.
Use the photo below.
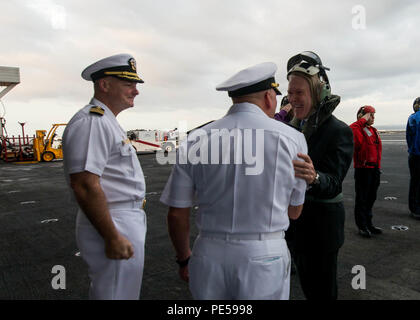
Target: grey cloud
(185, 48)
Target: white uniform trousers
(113, 279)
(239, 269)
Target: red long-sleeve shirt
(367, 145)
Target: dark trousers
(318, 274)
(367, 181)
(414, 192)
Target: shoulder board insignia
(97, 110)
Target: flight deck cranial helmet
(416, 104)
(309, 63)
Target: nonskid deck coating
(35, 193)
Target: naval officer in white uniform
(104, 173)
(240, 252)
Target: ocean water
(391, 127)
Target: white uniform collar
(246, 107)
(108, 113)
(98, 103)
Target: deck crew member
(240, 252)
(104, 173)
(413, 142)
(319, 232)
(367, 169)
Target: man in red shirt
(367, 165)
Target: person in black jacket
(319, 232)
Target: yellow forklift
(43, 146)
(20, 149)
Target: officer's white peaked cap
(121, 66)
(253, 79)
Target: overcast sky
(184, 48)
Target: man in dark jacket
(319, 232)
(367, 169)
(413, 142)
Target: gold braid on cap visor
(275, 85)
(123, 74)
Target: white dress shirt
(240, 197)
(99, 145)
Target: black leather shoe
(364, 232)
(374, 230)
